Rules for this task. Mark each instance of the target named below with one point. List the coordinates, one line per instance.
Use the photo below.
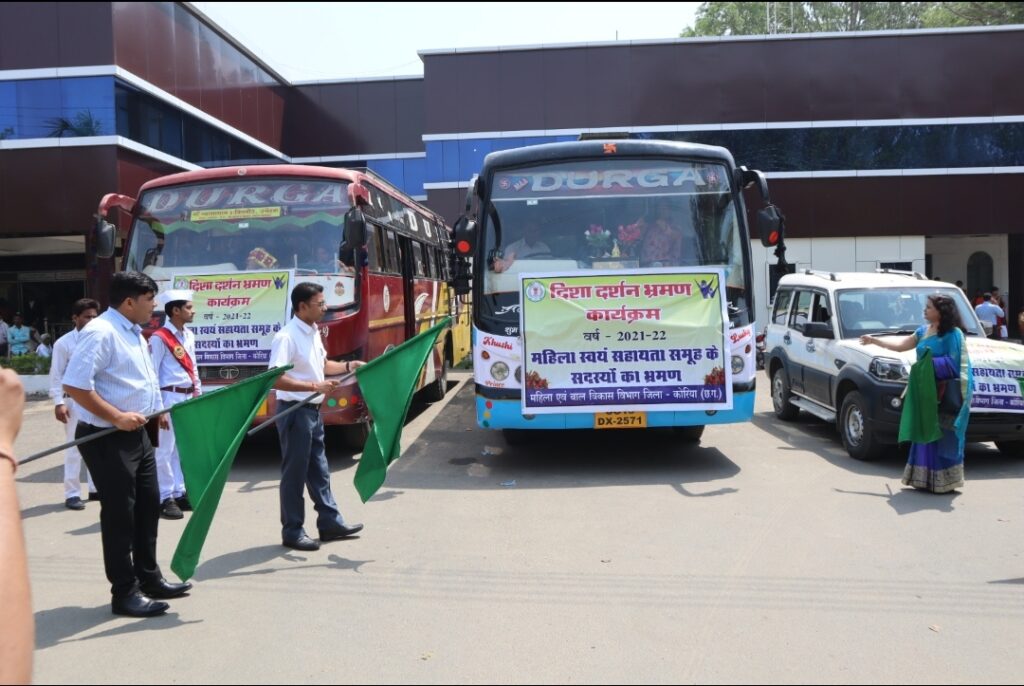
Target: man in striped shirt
(112, 380)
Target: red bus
(241, 237)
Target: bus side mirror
(106, 235)
(355, 229)
(770, 226)
(465, 236)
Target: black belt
(175, 389)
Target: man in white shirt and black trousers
(82, 312)
(174, 358)
(112, 380)
(303, 461)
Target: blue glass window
(415, 175)
(8, 110)
(87, 106)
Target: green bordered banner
(237, 314)
(625, 340)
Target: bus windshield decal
(576, 182)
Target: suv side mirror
(818, 330)
(106, 235)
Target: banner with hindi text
(625, 340)
(237, 314)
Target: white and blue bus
(611, 284)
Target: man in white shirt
(304, 462)
(529, 246)
(989, 312)
(3, 337)
(82, 312)
(173, 347)
(112, 381)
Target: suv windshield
(244, 225)
(881, 310)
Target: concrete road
(764, 554)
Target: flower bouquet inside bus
(608, 252)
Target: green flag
(208, 430)
(387, 384)
(919, 421)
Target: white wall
(861, 254)
(950, 255)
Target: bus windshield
(243, 225)
(612, 214)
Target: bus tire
(354, 435)
(516, 437)
(689, 434)
(435, 390)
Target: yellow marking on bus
(236, 213)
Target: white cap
(173, 297)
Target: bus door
(408, 247)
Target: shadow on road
(61, 624)
(238, 563)
(454, 454)
(910, 500)
(981, 460)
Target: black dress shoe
(339, 532)
(184, 504)
(164, 589)
(170, 510)
(94, 496)
(137, 605)
(303, 542)
(74, 503)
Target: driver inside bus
(530, 245)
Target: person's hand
(12, 404)
(355, 364)
(867, 340)
(129, 421)
(61, 413)
(164, 422)
(325, 386)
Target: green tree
(759, 18)
(974, 14)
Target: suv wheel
(780, 397)
(1011, 448)
(858, 438)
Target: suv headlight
(889, 369)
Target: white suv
(816, 363)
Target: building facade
(900, 149)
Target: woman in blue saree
(939, 466)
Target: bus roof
(547, 153)
(259, 171)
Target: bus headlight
(499, 371)
(737, 364)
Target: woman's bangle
(9, 456)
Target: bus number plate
(620, 420)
